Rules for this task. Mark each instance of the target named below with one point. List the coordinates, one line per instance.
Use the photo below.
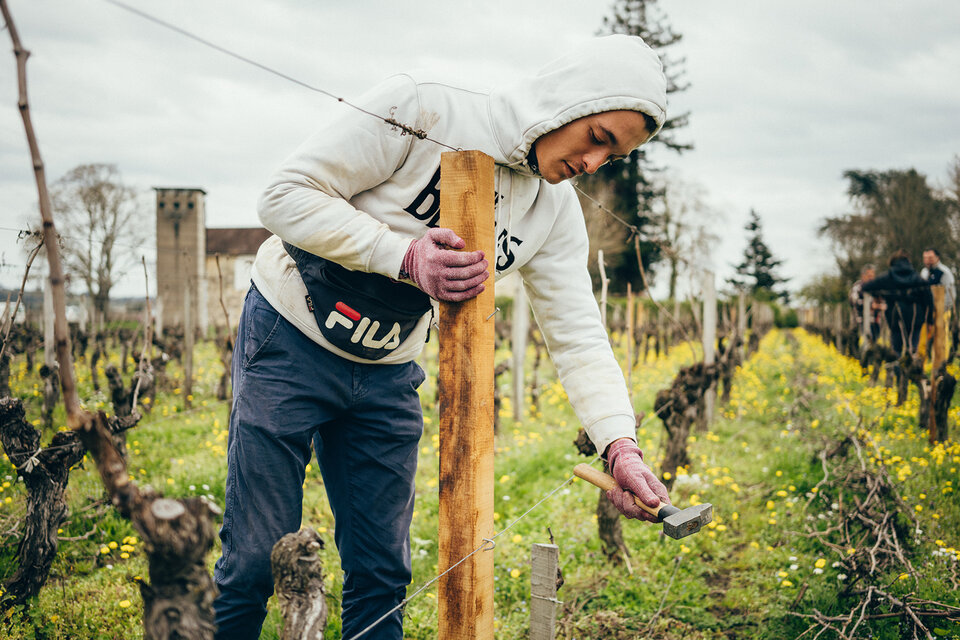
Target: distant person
(867, 274)
(935, 272)
(908, 299)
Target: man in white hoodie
(341, 305)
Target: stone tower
(181, 251)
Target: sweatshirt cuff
(605, 431)
(387, 256)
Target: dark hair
(935, 252)
(900, 254)
(650, 123)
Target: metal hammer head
(687, 521)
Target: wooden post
(709, 341)
(518, 345)
(662, 338)
(629, 333)
(189, 328)
(544, 559)
(742, 324)
(838, 326)
(49, 319)
(603, 288)
(642, 330)
(466, 382)
(865, 323)
(939, 353)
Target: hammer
(677, 523)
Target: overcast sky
(784, 96)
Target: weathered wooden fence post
(520, 327)
(544, 559)
(604, 283)
(466, 382)
(742, 324)
(838, 326)
(865, 322)
(189, 331)
(938, 357)
(709, 343)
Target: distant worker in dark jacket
(908, 299)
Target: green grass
(738, 578)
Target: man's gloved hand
(442, 273)
(635, 479)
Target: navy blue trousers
(364, 422)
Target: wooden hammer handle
(606, 482)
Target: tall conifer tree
(630, 180)
(756, 274)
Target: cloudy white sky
(784, 96)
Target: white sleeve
(949, 287)
(307, 204)
(558, 284)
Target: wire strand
(418, 133)
(487, 541)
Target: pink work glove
(442, 273)
(635, 479)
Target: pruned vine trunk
(610, 528)
(178, 599)
(4, 375)
(298, 577)
(538, 349)
(45, 473)
(609, 523)
(946, 384)
(94, 360)
(50, 374)
(678, 408)
(225, 343)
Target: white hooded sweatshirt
(360, 191)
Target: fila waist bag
(365, 314)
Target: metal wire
(419, 133)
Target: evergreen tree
(756, 274)
(629, 180)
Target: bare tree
(102, 229)
(894, 209)
(683, 218)
(603, 230)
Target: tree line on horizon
(890, 210)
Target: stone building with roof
(189, 282)
(235, 248)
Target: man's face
(583, 145)
(868, 275)
(929, 258)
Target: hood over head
(610, 73)
(902, 271)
